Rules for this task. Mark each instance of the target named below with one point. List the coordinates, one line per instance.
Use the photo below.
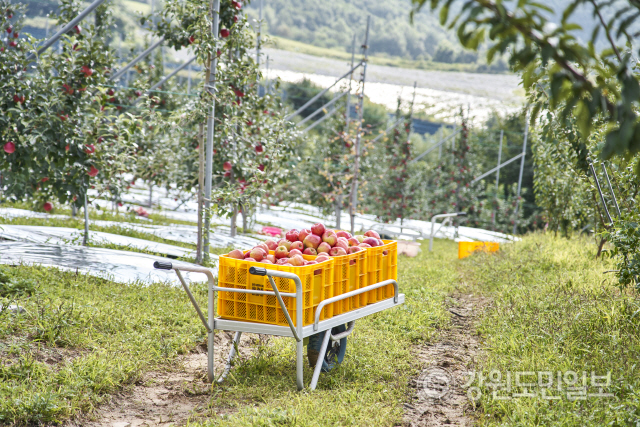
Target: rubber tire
(334, 355)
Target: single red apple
(318, 229)
(312, 241)
(45, 179)
(258, 254)
(90, 149)
(224, 33)
(236, 254)
(323, 247)
(259, 148)
(342, 243)
(294, 252)
(337, 252)
(281, 252)
(303, 234)
(271, 245)
(93, 171)
(297, 245)
(371, 233)
(77, 29)
(309, 251)
(296, 261)
(192, 39)
(47, 206)
(354, 249)
(330, 237)
(9, 29)
(283, 261)
(292, 235)
(9, 147)
(227, 166)
(344, 234)
(322, 258)
(284, 242)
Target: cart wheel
(335, 349)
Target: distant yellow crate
(467, 248)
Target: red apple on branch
(227, 166)
(9, 147)
(93, 172)
(48, 206)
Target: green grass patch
(108, 335)
(555, 311)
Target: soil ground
(170, 397)
(438, 396)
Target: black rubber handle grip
(258, 271)
(162, 265)
(462, 214)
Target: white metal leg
(321, 354)
(232, 353)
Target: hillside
(333, 24)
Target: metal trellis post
(210, 86)
(354, 188)
(524, 153)
(493, 220)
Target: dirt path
(169, 398)
(438, 398)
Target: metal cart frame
(299, 332)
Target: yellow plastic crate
(382, 264)
(317, 285)
(467, 248)
(349, 274)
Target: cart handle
(259, 271)
(166, 265)
(325, 302)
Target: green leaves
(583, 82)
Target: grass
(111, 334)
(554, 310)
(323, 52)
(82, 339)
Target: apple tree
(57, 138)
(251, 138)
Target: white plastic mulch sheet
(119, 266)
(219, 238)
(73, 236)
